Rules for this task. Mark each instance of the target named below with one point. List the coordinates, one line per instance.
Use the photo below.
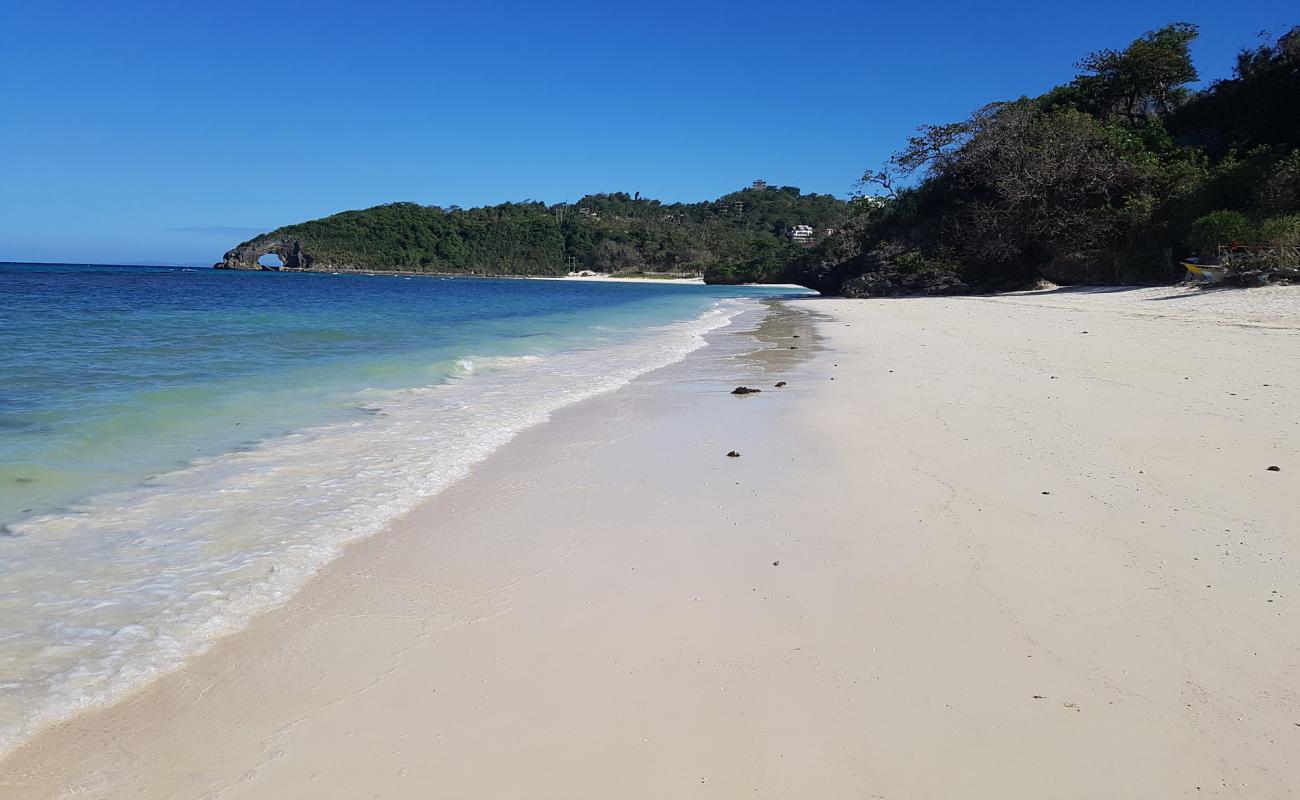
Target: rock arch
(288, 248)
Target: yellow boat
(1208, 272)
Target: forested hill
(745, 233)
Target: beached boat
(1205, 272)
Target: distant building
(802, 235)
(759, 184)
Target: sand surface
(1012, 547)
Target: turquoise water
(180, 449)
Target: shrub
(1280, 231)
(1250, 268)
(1220, 228)
(1279, 188)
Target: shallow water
(180, 449)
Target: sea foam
(126, 586)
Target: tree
(1258, 106)
(612, 256)
(929, 151)
(1146, 79)
(1032, 184)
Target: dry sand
(1013, 547)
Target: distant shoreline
(695, 281)
(698, 281)
(600, 277)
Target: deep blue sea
(182, 448)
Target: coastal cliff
(289, 250)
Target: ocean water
(183, 448)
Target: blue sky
(167, 132)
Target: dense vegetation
(512, 238)
(743, 233)
(1111, 177)
(738, 235)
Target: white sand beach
(1025, 546)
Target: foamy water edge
(208, 547)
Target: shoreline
(216, 661)
(412, 274)
(969, 551)
(93, 679)
(602, 278)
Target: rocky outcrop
(903, 284)
(288, 248)
(841, 266)
(893, 270)
(833, 261)
(822, 272)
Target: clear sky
(137, 131)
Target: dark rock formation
(841, 267)
(887, 271)
(895, 284)
(827, 266)
(836, 259)
(288, 248)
